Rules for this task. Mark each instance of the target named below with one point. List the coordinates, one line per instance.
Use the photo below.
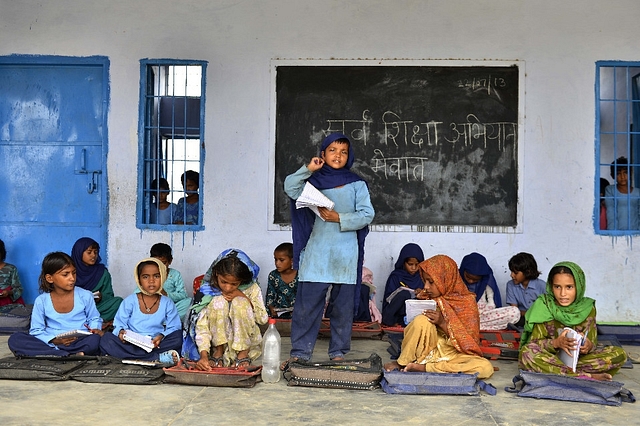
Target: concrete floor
(76, 403)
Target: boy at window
(189, 206)
(622, 199)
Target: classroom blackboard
(438, 145)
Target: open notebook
(415, 307)
(312, 198)
(73, 333)
(139, 340)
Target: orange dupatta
(457, 304)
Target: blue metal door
(53, 145)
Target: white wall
(558, 41)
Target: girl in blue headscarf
(221, 328)
(328, 249)
(478, 276)
(401, 285)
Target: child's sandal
(169, 358)
(243, 361)
(285, 364)
(216, 361)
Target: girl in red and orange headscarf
(445, 340)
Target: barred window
(171, 144)
(617, 209)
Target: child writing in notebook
(328, 250)
(10, 287)
(222, 325)
(478, 276)
(148, 313)
(283, 283)
(92, 275)
(62, 307)
(525, 286)
(173, 287)
(401, 285)
(565, 305)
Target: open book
(139, 340)
(571, 360)
(415, 307)
(313, 199)
(73, 333)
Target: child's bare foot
(79, 354)
(393, 365)
(284, 366)
(603, 377)
(412, 366)
(243, 360)
(337, 358)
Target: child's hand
(272, 312)
(156, 340)
(565, 343)
(436, 318)
(233, 294)
(98, 332)
(315, 164)
(121, 335)
(587, 346)
(329, 215)
(203, 362)
(65, 341)
(421, 294)
(98, 297)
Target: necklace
(145, 303)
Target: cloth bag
(360, 374)
(566, 388)
(417, 383)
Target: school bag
(566, 388)
(39, 368)
(15, 318)
(359, 374)
(185, 373)
(106, 369)
(418, 383)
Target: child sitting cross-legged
(222, 325)
(62, 307)
(148, 313)
(565, 305)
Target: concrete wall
(559, 43)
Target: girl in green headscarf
(565, 305)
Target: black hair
(342, 140)
(285, 247)
(615, 169)
(603, 185)
(52, 263)
(560, 269)
(161, 250)
(143, 264)
(525, 263)
(192, 176)
(160, 184)
(231, 265)
(3, 251)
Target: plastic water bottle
(271, 354)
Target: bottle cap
(272, 320)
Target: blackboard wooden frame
(479, 84)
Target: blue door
(53, 146)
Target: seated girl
(92, 275)
(222, 325)
(62, 307)
(148, 313)
(173, 287)
(10, 287)
(478, 276)
(564, 305)
(445, 340)
(402, 283)
(282, 283)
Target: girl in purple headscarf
(478, 276)
(92, 275)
